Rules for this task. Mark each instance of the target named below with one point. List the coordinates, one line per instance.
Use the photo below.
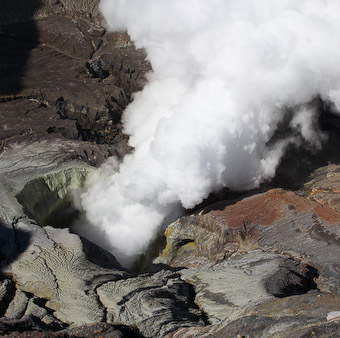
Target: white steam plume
(223, 70)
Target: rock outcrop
(261, 265)
(64, 84)
(61, 279)
(264, 265)
(277, 220)
(256, 276)
(254, 326)
(62, 75)
(29, 327)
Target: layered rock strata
(61, 279)
(265, 265)
(62, 75)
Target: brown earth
(212, 243)
(64, 76)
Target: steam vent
(170, 168)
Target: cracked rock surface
(265, 264)
(256, 276)
(61, 279)
(64, 84)
(145, 299)
(63, 76)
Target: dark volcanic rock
(17, 11)
(22, 123)
(29, 327)
(261, 257)
(264, 266)
(64, 84)
(225, 288)
(258, 327)
(63, 74)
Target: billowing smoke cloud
(224, 73)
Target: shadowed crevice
(18, 36)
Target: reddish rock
(272, 206)
(258, 327)
(277, 220)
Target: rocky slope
(63, 74)
(58, 278)
(265, 265)
(262, 264)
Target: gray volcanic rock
(259, 327)
(279, 221)
(56, 283)
(7, 290)
(61, 279)
(32, 328)
(18, 305)
(63, 74)
(155, 303)
(323, 186)
(254, 261)
(302, 315)
(54, 268)
(257, 276)
(48, 257)
(314, 304)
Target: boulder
(29, 327)
(223, 290)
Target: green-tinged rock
(47, 198)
